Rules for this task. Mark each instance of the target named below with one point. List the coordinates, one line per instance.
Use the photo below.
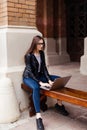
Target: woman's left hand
(50, 82)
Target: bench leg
(43, 104)
(31, 106)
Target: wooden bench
(70, 95)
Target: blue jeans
(36, 88)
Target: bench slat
(69, 95)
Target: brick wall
(18, 12)
(3, 12)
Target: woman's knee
(53, 77)
(36, 88)
(31, 83)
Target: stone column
(61, 42)
(17, 28)
(56, 47)
(83, 63)
(9, 109)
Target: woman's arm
(28, 69)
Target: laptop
(58, 83)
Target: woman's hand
(50, 82)
(44, 84)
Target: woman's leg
(59, 106)
(36, 99)
(36, 92)
(53, 77)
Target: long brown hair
(34, 43)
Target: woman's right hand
(44, 84)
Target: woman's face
(40, 45)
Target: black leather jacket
(31, 69)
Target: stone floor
(77, 119)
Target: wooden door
(76, 14)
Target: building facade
(20, 20)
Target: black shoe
(61, 109)
(39, 123)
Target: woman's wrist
(40, 82)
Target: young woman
(36, 75)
